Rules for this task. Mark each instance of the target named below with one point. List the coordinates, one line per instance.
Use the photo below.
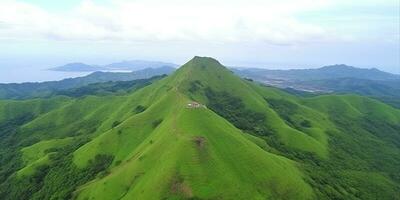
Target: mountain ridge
(330, 71)
(45, 89)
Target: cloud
(269, 21)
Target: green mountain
(200, 133)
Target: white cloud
(268, 21)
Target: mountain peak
(198, 62)
(204, 61)
(202, 72)
(206, 66)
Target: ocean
(19, 75)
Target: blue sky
(255, 33)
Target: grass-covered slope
(247, 142)
(190, 153)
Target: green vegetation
(139, 109)
(108, 88)
(56, 180)
(249, 142)
(233, 110)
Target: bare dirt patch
(200, 142)
(179, 187)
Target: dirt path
(181, 104)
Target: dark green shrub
(139, 109)
(306, 123)
(156, 123)
(115, 123)
(195, 86)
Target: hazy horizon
(43, 72)
(40, 34)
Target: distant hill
(125, 76)
(133, 65)
(78, 67)
(331, 79)
(138, 64)
(45, 89)
(358, 86)
(327, 72)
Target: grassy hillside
(247, 142)
(180, 157)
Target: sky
(38, 34)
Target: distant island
(78, 67)
(132, 65)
